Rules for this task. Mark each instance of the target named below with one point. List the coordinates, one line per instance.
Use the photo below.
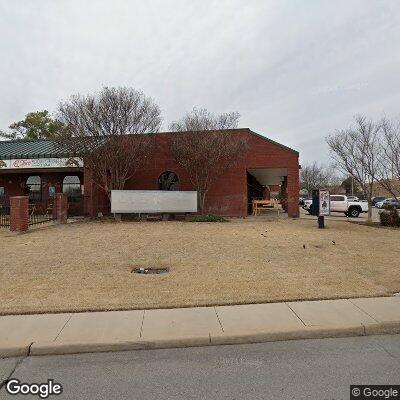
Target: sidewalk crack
(294, 312)
(17, 364)
(141, 326)
(219, 321)
(29, 349)
(59, 333)
(355, 305)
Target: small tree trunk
(202, 198)
(202, 203)
(369, 209)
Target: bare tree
(389, 166)
(356, 152)
(111, 132)
(314, 176)
(204, 149)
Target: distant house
(40, 168)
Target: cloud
(296, 71)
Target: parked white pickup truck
(340, 203)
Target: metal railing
(35, 219)
(41, 213)
(4, 216)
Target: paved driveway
(341, 217)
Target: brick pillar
(19, 213)
(90, 196)
(293, 188)
(61, 208)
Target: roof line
(272, 141)
(26, 140)
(158, 133)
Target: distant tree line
(368, 153)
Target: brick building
(39, 169)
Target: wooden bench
(263, 205)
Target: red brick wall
(61, 208)
(19, 214)
(228, 196)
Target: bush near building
(389, 216)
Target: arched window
(168, 181)
(33, 188)
(72, 186)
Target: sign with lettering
(28, 163)
(324, 203)
(153, 201)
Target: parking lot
(341, 217)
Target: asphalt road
(302, 369)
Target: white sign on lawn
(153, 201)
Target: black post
(321, 222)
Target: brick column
(293, 188)
(61, 208)
(90, 196)
(19, 213)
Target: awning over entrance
(268, 176)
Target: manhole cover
(150, 270)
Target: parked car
(302, 200)
(340, 203)
(377, 199)
(352, 198)
(390, 202)
(379, 204)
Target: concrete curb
(382, 328)
(52, 348)
(306, 333)
(7, 351)
(58, 348)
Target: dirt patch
(87, 266)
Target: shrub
(389, 216)
(208, 218)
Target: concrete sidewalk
(22, 335)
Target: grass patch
(88, 266)
(208, 218)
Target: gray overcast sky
(295, 70)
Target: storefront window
(33, 188)
(72, 187)
(168, 181)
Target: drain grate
(150, 271)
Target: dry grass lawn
(87, 266)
